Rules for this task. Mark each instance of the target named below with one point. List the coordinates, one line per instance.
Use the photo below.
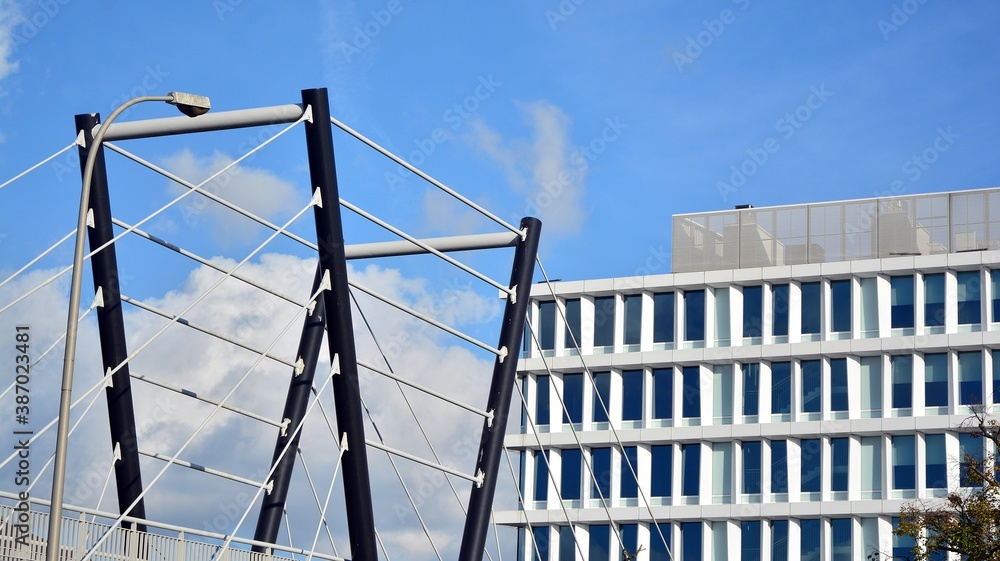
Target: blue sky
(604, 119)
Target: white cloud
(10, 15)
(256, 190)
(546, 171)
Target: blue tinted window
(812, 386)
(659, 542)
(901, 297)
(541, 537)
(750, 540)
(996, 375)
(995, 281)
(600, 542)
(840, 453)
(601, 462)
(904, 472)
(663, 317)
(633, 318)
(840, 296)
(779, 540)
(662, 467)
(629, 486)
(968, 297)
(690, 470)
(781, 387)
(970, 378)
(571, 336)
(901, 545)
(753, 310)
(838, 384)
(691, 399)
(547, 325)
(663, 393)
(632, 395)
(604, 321)
(602, 396)
(840, 534)
(811, 307)
(934, 299)
(902, 381)
(779, 311)
(541, 476)
(691, 541)
(542, 400)
(630, 538)
(572, 471)
(751, 388)
(812, 466)
(751, 467)
(936, 379)
(936, 473)
(810, 539)
(970, 449)
(573, 397)
(779, 466)
(567, 544)
(694, 315)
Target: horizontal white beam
(445, 244)
(241, 118)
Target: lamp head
(190, 104)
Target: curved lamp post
(192, 106)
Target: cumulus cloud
(256, 190)
(238, 445)
(545, 171)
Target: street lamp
(192, 106)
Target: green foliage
(967, 522)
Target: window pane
(601, 462)
(630, 538)
(871, 386)
(659, 542)
(570, 483)
(567, 544)
(750, 540)
(968, 297)
(840, 452)
(936, 379)
(547, 325)
(781, 387)
(779, 540)
(901, 296)
(633, 318)
(812, 386)
(542, 400)
(970, 378)
(751, 388)
(840, 296)
(779, 311)
(694, 315)
(751, 467)
(970, 450)
(629, 486)
(691, 460)
(632, 395)
(869, 307)
(662, 467)
(691, 541)
(934, 299)
(779, 466)
(541, 476)
(663, 317)
(902, 378)
(996, 375)
(723, 329)
(600, 542)
(753, 309)
(722, 472)
(811, 307)
(602, 396)
(871, 467)
(995, 281)
(904, 473)
(663, 393)
(722, 393)
(838, 384)
(901, 545)
(604, 321)
(541, 538)
(810, 540)
(840, 531)
(812, 467)
(937, 468)
(691, 398)
(573, 396)
(571, 335)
